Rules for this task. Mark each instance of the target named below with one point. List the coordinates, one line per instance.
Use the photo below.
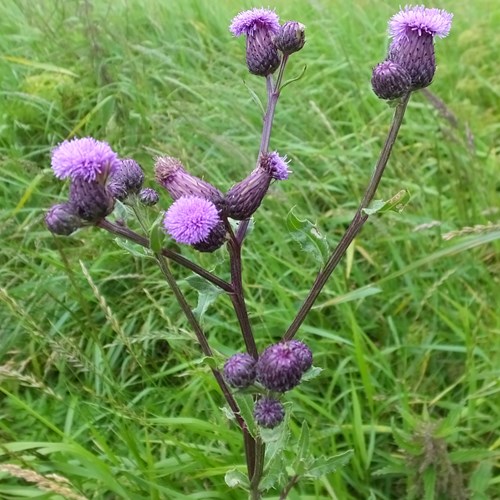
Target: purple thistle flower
(279, 368)
(419, 19)
(260, 27)
(126, 180)
(86, 159)
(413, 30)
(390, 80)
(215, 239)
(171, 174)
(249, 21)
(190, 219)
(60, 219)
(148, 197)
(276, 165)
(303, 353)
(239, 370)
(268, 413)
(91, 201)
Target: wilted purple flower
(126, 180)
(260, 26)
(239, 370)
(86, 159)
(413, 30)
(303, 353)
(190, 219)
(291, 37)
(171, 174)
(245, 197)
(390, 80)
(90, 200)
(148, 197)
(60, 219)
(268, 413)
(279, 368)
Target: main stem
(356, 224)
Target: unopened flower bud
(291, 37)
(279, 368)
(390, 80)
(90, 200)
(148, 197)
(268, 413)
(61, 220)
(171, 174)
(245, 197)
(126, 180)
(239, 370)
(215, 239)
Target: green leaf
(255, 97)
(308, 237)
(207, 294)
(312, 373)
(245, 404)
(395, 204)
(235, 478)
(133, 248)
(297, 78)
(324, 465)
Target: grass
(101, 380)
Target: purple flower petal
(248, 21)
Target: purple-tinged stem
(128, 234)
(356, 224)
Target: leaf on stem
(133, 248)
(324, 465)
(255, 97)
(156, 236)
(235, 478)
(395, 204)
(207, 294)
(288, 82)
(309, 238)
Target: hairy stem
(356, 224)
(130, 235)
(260, 452)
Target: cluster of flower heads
(410, 64)
(197, 215)
(98, 178)
(266, 39)
(279, 369)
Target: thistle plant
(255, 380)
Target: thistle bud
(61, 220)
(148, 197)
(303, 353)
(291, 37)
(244, 198)
(268, 413)
(239, 370)
(215, 239)
(279, 368)
(171, 174)
(390, 80)
(126, 180)
(90, 200)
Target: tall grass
(101, 379)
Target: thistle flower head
(148, 197)
(390, 80)
(419, 19)
(239, 370)
(86, 159)
(249, 21)
(275, 165)
(268, 413)
(171, 174)
(279, 368)
(60, 219)
(126, 180)
(190, 219)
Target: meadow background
(101, 381)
